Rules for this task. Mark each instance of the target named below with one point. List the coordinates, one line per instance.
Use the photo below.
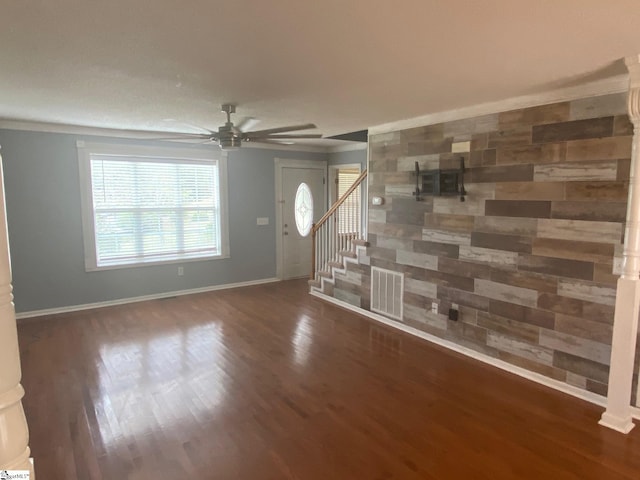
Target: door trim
(280, 165)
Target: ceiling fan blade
(269, 131)
(205, 137)
(247, 123)
(286, 136)
(270, 142)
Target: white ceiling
(344, 65)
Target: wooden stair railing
(334, 234)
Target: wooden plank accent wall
(529, 256)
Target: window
(151, 205)
(349, 211)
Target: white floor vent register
(387, 289)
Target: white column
(625, 324)
(14, 434)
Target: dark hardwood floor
(268, 382)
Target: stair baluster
(334, 235)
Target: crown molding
(348, 148)
(633, 66)
(44, 127)
(617, 84)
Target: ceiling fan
(230, 136)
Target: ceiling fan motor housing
(227, 139)
(230, 143)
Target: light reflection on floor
(302, 340)
(156, 373)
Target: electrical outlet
(434, 307)
(180, 271)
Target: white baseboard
(155, 296)
(529, 375)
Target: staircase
(338, 237)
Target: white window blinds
(349, 211)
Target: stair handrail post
(14, 432)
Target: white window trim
(85, 149)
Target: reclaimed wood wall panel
(573, 130)
(529, 258)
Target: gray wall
(45, 226)
(352, 156)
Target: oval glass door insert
(303, 209)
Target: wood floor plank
(267, 382)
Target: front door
(296, 246)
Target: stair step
(314, 283)
(361, 242)
(347, 253)
(324, 274)
(336, 264)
